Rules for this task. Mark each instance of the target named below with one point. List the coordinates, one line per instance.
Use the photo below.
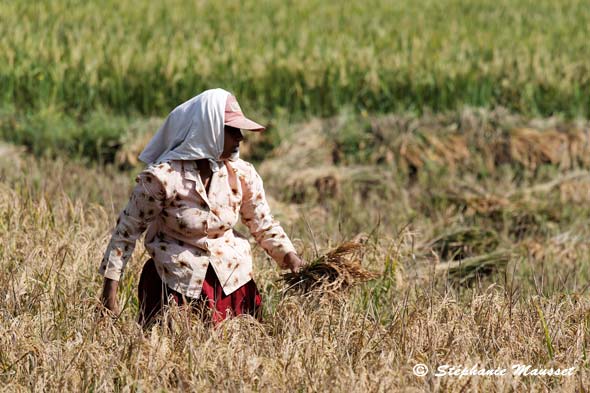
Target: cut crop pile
(333, 272)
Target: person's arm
(144, 205)
(268, 233)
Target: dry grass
(54, 225)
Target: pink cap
(234, 116)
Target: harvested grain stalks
(467, 270)
(472, 199)
(331, 273)
(462, 242)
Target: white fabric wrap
(192, 131)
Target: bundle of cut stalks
(462, 242)
(331, 273)
(467, 270)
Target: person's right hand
(109, 296)
(293, 262)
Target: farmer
(189, 198)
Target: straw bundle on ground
(532, 148)
(419, 148)
(331, 273)
(467, 270)
(473, 199)
(462, 242)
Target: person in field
(189, 198)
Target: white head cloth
(194, 130)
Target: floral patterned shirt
(189, 228)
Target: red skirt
(212, 304)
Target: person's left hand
(293, 262)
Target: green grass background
(76, 61)
(307, 56)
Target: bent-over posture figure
(188, 198)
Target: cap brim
(246, 124)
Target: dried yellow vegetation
(55, 218)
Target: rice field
(431, 159)
(308, 57)
(78, 76)
(481, 263)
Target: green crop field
(72, 62)
(309, 56)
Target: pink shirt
(188, 229)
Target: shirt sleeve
(144, 205)
(256, 215)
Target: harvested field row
(445, 293)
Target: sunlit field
(483, 260)
(307, 56)
(450, 138)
